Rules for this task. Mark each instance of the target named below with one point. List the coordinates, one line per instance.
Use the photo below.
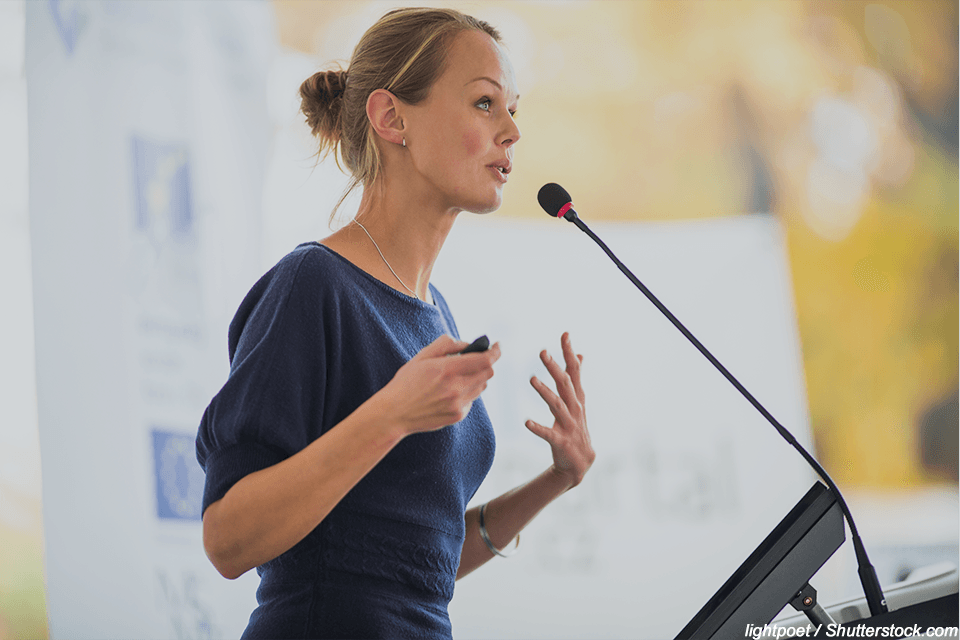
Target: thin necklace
(385, 260)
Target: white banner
(148, 138)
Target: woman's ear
(383, 112)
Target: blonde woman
(349, 437)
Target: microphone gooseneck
(557, 203)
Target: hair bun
(321, 100)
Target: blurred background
(838, 118)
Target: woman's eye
(484, 104)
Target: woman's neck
(406, 231)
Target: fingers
(438, 386)
(470, 363)
(442, 346)
(557, 407)
(446, 345)
(469, 372)
(574, 362)
(568, 381)
(539, 430)
(567, 404)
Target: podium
(778, 572)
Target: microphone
(557, 202)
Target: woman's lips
(501, 175)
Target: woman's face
(460, 139)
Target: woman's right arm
(269, 511)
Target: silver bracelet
(488, 542)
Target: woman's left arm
(569, 440)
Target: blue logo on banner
(162, 182)
(179, 477)
(69, 20)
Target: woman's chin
(488, 205)
(483, 211)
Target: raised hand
(569, 438)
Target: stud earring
(404, 142)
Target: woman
(344, 447)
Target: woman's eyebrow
(491, 81)
(488, 79)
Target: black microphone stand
(868, 575)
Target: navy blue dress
(313, 339)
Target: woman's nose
(511, 134)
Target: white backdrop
(148, 139)
(689, 478)
(149, 146)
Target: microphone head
(554, 198)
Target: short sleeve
(271, 405)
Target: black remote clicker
(480, 344)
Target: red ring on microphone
(564, 209)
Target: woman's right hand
(437, 387)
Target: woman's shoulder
(309, 257)
(296, 284)
(311, 269)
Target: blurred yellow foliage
(878, 323)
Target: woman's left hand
(569, 438)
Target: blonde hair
(404, 53)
